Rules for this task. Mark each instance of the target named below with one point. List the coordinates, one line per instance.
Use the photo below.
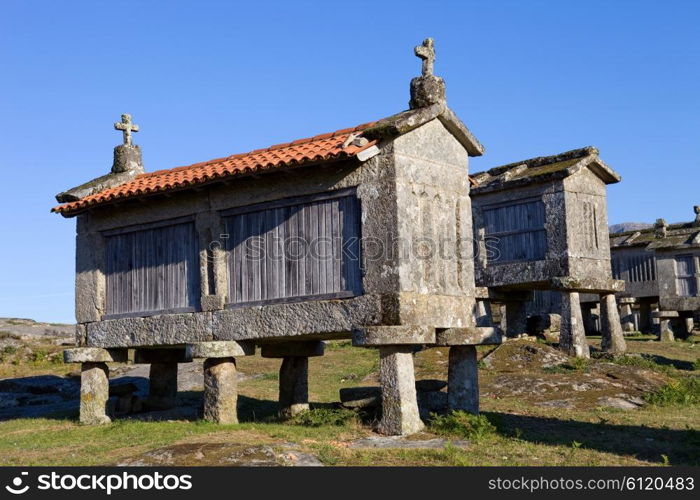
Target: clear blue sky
(206, 79)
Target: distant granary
(661, 269)
(329, 237)
(541, 224)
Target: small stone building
(661, 270)
(328, 237)
(541, 224)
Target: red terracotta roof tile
(320, 148)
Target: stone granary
(541, 224)
(661, 270)
(328, 237)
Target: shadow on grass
(678, 364)
(682, 447)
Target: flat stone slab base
(402, 443)
(94, 355)
(219, 349)
(218, 454)
(478, 335)
(376, 336)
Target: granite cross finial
(126, 127)
(426, 51)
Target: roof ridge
(539, 161)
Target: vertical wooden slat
(309, 270)
(314, 253)
(336, 244)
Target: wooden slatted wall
(305, 249)
(634, 268)
(685, 276)
(152, 270)
(516, 231)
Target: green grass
(463, 425)
(682, 392)
(511, 430)
(320, 417)
(641, 361)
(573, 365)
(9, 350)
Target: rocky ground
(528, 382)
(14, 330)
(544, 376)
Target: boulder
(361, 397)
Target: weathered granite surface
(463, 379)
(94, 393)
(220, 390)
(294, 386)
(399, 404)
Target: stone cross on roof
(426, 51)
(126, 127)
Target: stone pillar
(162, 392)
(516, 318)
(94, 393)
(294, 373)
(220, 376)
(645, 325)
(483, 313)
(665, 330)
(572, 338)
(612, 339)
(294, 386)
(626, 317)
(688, 324)
(463, 379)
(399, 403)
(220, 390)
(668, 322)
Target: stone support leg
(463, 379)
(94, 393)
(162, 392)
(665, 331)
(572, 338)
(612, 339)
(294, 386)
(626, 317)
(516, 318)
(688, 325)
(220, 390)
(399, 403)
